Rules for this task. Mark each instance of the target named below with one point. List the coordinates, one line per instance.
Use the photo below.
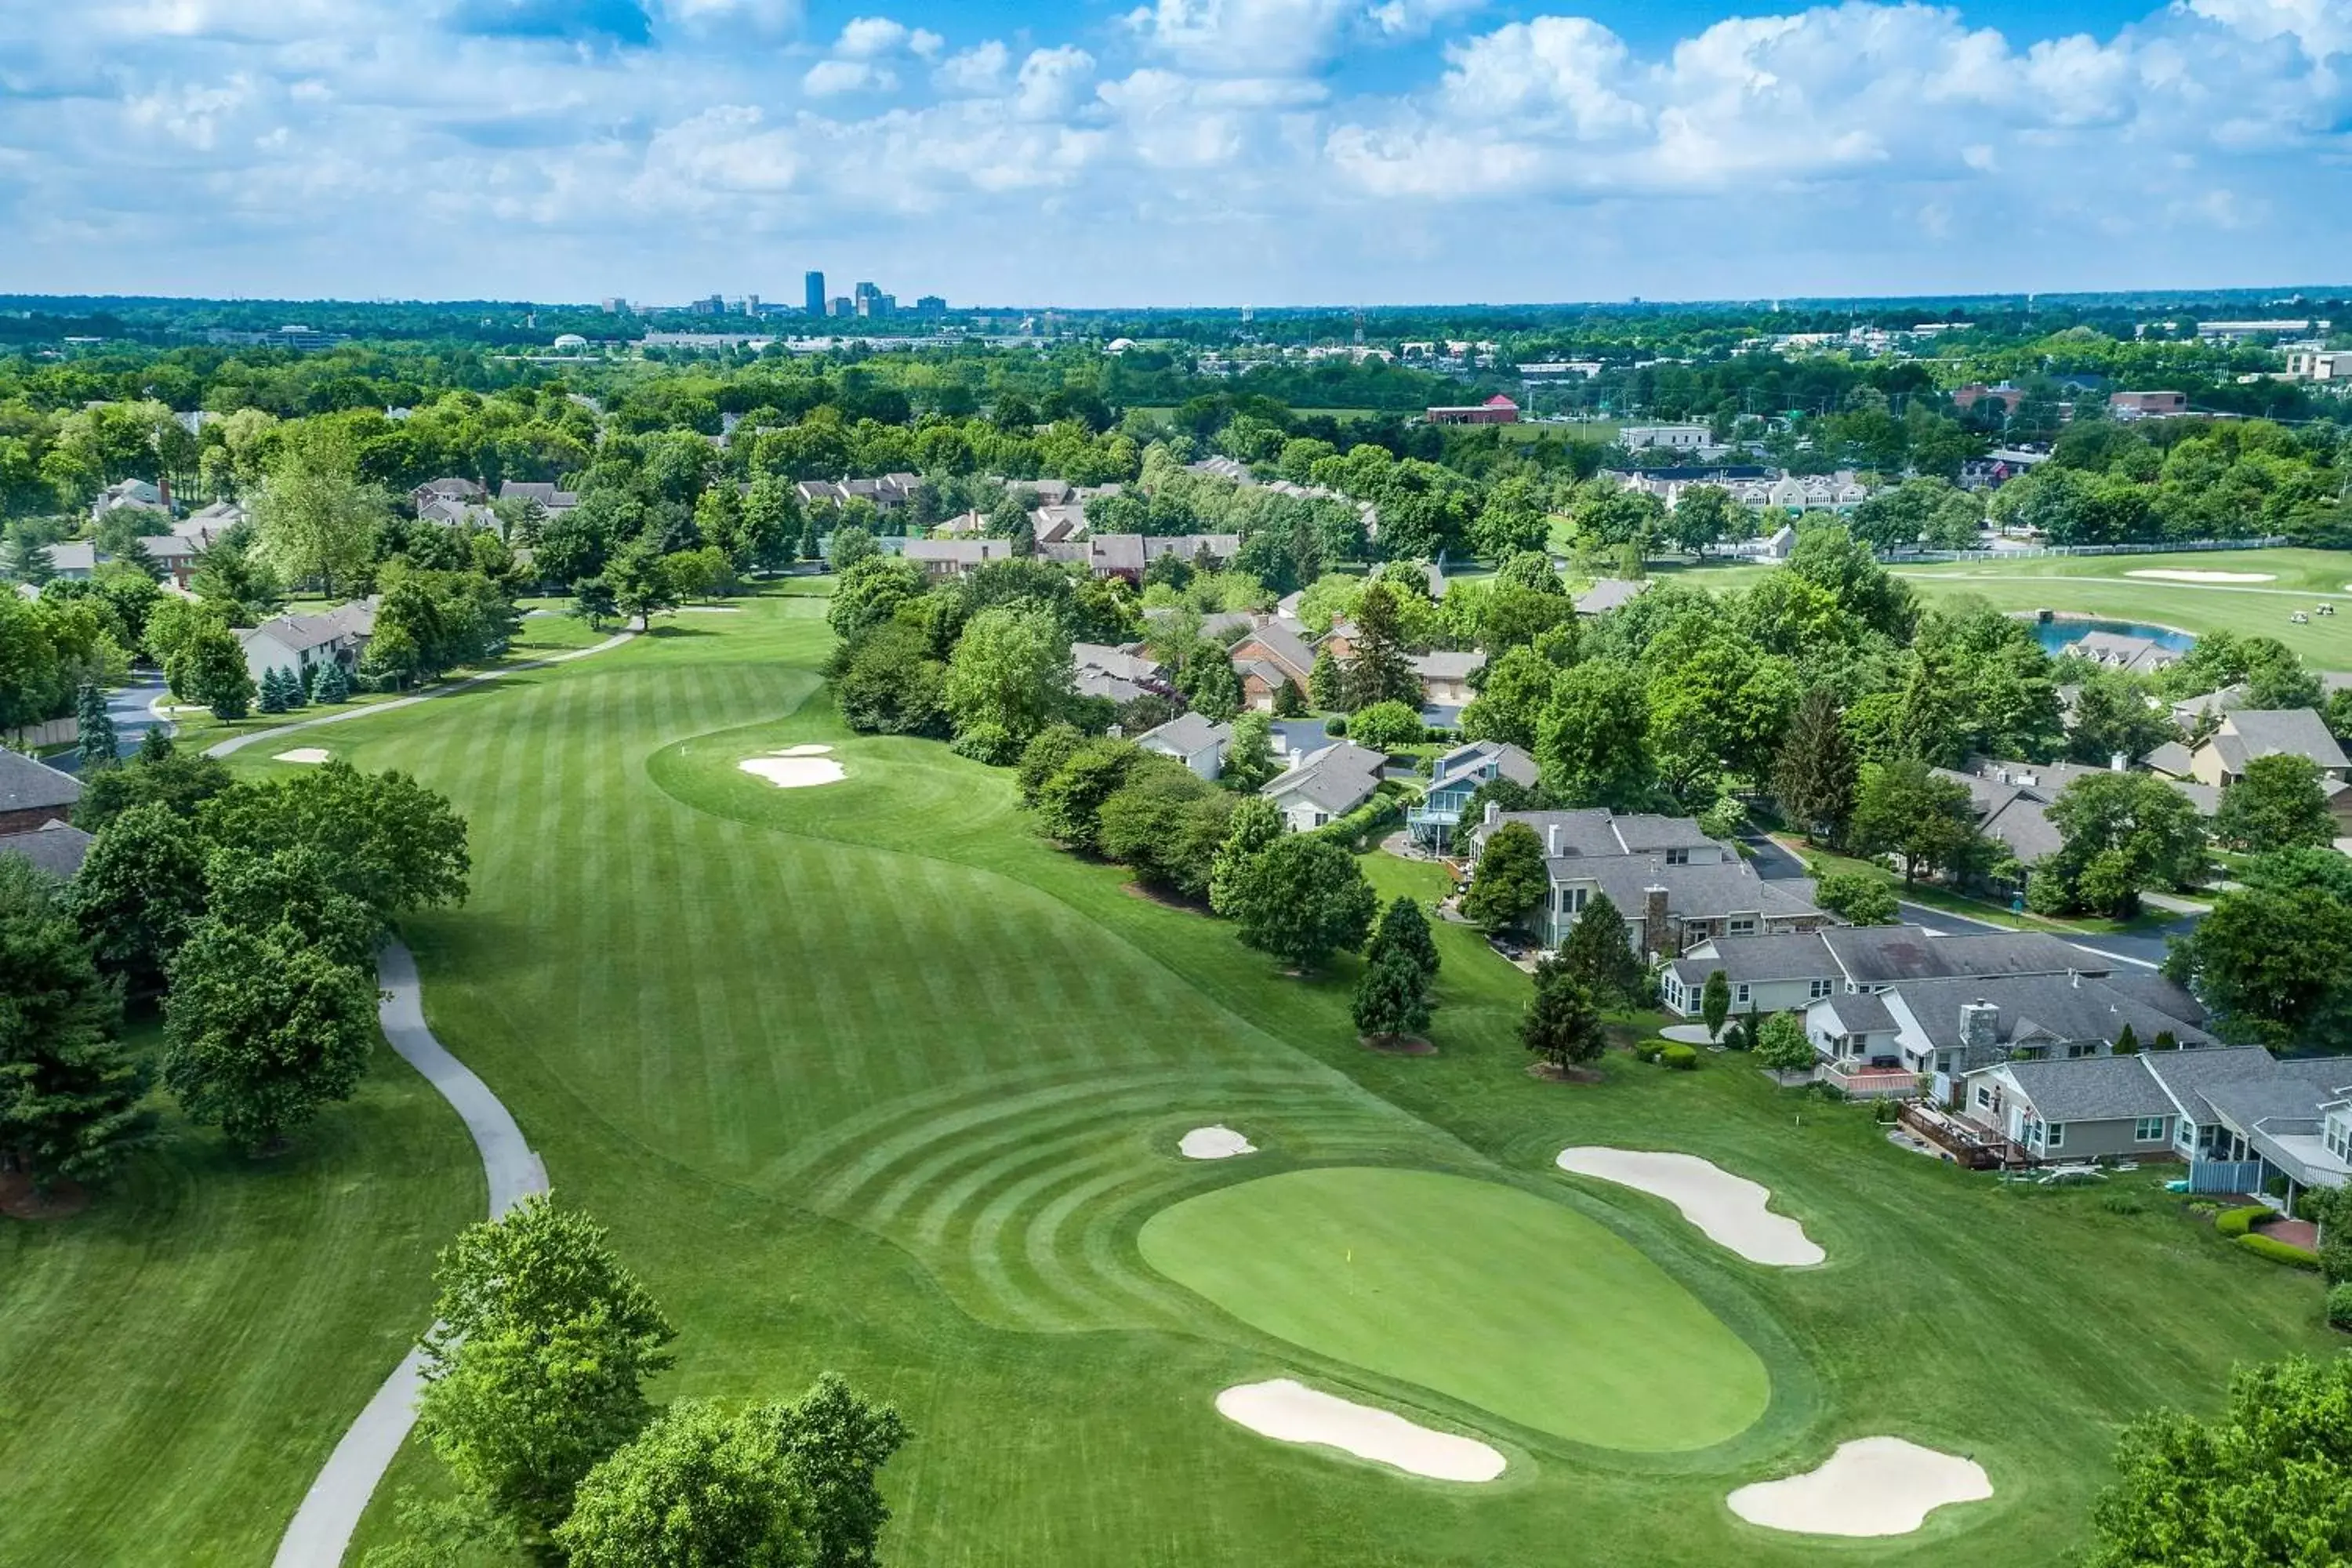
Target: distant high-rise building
(842, 305)
(614, 306)
(813, 293)
(750, 304)
(713, 306)
(930, 305)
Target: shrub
(2339, 1307)
(989, 743)
(1384, 725)
(2120, 1202)
(2238, 1222)
(1680, 1058)
(1336, 726)
(2279, 1251)
(2336, 1253)
(2204, 1210)
(1649, 1050)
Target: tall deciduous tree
(394, 844)
(140, 891)
(1929, 823)
(315, 520)
(2118, 833)
(1592, 740)
(1249, 758)
(700, 1487)
(534, 1370)
(1255, 827)
(1302, 899)
(2268, 1481)
(69, 1093)
(641, 582)
(1814, 776)
(1510, 881)
(2277, 803)
(262, 1030)
(2274, 963)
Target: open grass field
(1373, 1268)
(865, 1077)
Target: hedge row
(2238, 1222)
(2279, 1252)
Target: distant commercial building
(2319, 364)
(2147, 405)
(288, 337)
(750, 304)
(615, 305)
(841, 305)
(1672, 438)
(930, 305)
(1977, 391)
(813, 293)
(1496, 410)
(872, 302)
(2235, 331)
(713, 306)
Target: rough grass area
(867, 1077)
(1573, 1333)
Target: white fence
(56, 732)
(2191, 548)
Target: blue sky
(1170, 152)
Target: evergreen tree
(272, 697)
(93, 729)
(69, 1093)
(1404, 928)
(25, 558)
(1715, 1003)
(1290, 702)
(214, 673)
(812, 542)
(331, 683)
(1326, 684)
(1249, 760)
(1392, 996)
(2126, 1042)
(1815, 773)
(1561, 1025)
(1598, 952)
(1377, 670)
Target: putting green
(1491, 1295)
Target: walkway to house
(2294, 1232)
(238, 742)
(331, 1510)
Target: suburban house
(2239, 1118)
(955, 557)
(302, 643)
(549, 499)
(54, 848)
(1126, 554)
(452, 491)
(33, 793)
(1454, 778)
(1673, 885)
(1058, 523)
(1325, 785)
(2251, 732)
(1191, 741)
(1608, 594)
(2113, 651)
(1445, 679)
(1785, 974)
(1269, 655)
(1939, 1031)
(2013, 800)
(1116, 673)
(136, 493)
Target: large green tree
(1010, 672)
(1815, 775)
(1255, 827)
(1377, 670)
(1929, 823)
(262, 1030)
(1303, 898)
(140, 891)
(1592, 740)
(1404, 928)
(2268, 1482)
(1561, 1025)
(2274, 963)
(698, 1488)
(2278, 803)
(1510, 881)
(1391, 997)
(315, 520)
(69, 1092)
(2118, 834)
(1598, 951)
(393, 844)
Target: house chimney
(1654, 933)
(1551, 840)
(2074, 978)
(1493, 816)
(1980, 1025)
(2117, 763)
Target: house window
(1571, 900)
(1321, 817)
(1677, 857)
(2148, 1130)
(1743, 925)
(1740, 994)
(2080, 1051)
(2339, 1137)
(1984, 1097)
(1816, 990)
(2055, 1135)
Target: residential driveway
(331, 1510)
(1771, 862)
(131, 709)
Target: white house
(302, 643)
(1191, 741)
(1324, 784)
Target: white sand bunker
(303, 754)
(796, 767)
(2171, 575)
(1291, 1411)
(1871, 1486)
(1214, 1144)
(710, 609)
(1729, 1209)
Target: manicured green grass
(1575, 1332)
(865, 1077)
(177, 1360)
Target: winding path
(238, 742)
(331, 1510)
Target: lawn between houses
(865, 1077)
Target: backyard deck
(1978, 1148)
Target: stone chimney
(1980, 1025)
(1656, 937)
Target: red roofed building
(1496, 410)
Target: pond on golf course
(2059, 633)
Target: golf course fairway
(1478, 1291)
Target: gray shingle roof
(1881, 956)
(1509, 762)
(28, 785)
(1338, 778)
(1608, 592)
(2039, 1009)
(1286, 645)
(2188, 1073)
(1692, 892)
(2265, 732)
(1185, 734)
(1446, 664)
(1760, 958)
(53, 848)
(299, 632)
(1861, 1013)
(2091, 1089)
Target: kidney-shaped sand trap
(1729, 1209)
(795, 767)
(2171, 575)
(303, 754)
(1214, 1144)
(1871, 1486)
(1291, 1411)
